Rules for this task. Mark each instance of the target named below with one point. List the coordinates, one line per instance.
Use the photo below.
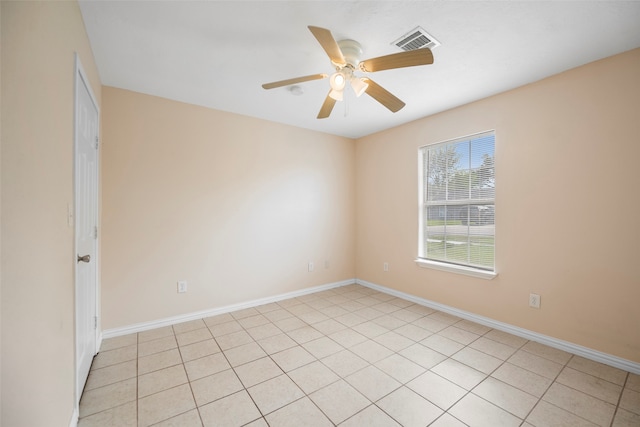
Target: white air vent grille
(416, 39)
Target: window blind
(457, 223)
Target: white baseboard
(588, 353)
(74, 417)
(145, 326)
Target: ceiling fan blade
(327, 107)
(294, 81)
(329, 44)
(383, 96)
(398, 60)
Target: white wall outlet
(182, 286)
(534, 300)
(310, 266)
(385, 266)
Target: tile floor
(349, 356)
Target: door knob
(85, 258)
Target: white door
(86, 223)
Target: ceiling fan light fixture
(359, 86)
(337, 81)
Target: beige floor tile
(477, 412)
(107, 397)
(301, 308)
(590, 385)
(156, 346)
(437, 390)
(253, 321)
(370, 329)
(578, 403)
(536, 364)
(441, 344)
(548, 415)
(260, 422)
(121, 416)
(154, 334)
(255, 372)
(157, 361)
(406, 315)
(226, 328)
(289, 324)
(389, 322)
(443, 317)
(371, 416)
(231, 411)
(215, 386)
(447, 420)
(187, 419)
(430, 324)
(199, 349)
(371, 351)
(458, 373)
(558, 356)
(163, 379)
(313, 317)
(504, 396)
(368, 313)
(459, 335)
(522, 379)
(400, 368)
(111, 374)
(630, 401)
(625, 418)
(206, 366)
(599, 370)
(493, 348)
(216, 320)
(506, 338)
(413, 332)
(322, 347)
(304, 334)
(394, 341)
(348, 337)
(164, 405)
(268, 308)
(278, 314)
(329, 326)
(422, 355)
(339, 401)
(313, 377)
(301, 413)
(181, 328)
(114, 357)
(409, 408)
(275, 393)
(421, 309)
(477, 360)
(234, 339)
(351, 319)
(264, 331)
(246, 312)
(194, 336)
(244, 354)
(344, 363)
(293, 358)
(118, 342)
(277, 343)
(474, 327)
(633, 382)
(333, 311)
(372, 383)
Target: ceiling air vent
(416, 39)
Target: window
(457, 206)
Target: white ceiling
(218, 53)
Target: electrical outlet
(182, 286)
(385, 266)
(534, 300)
(310, 266)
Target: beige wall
(567, 205)
(235, 206)
(38, 44)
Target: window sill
(459, 269)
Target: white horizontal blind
(458, 202)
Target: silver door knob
(85, 258)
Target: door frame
(80, 78)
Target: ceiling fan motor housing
(351, 51)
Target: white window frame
(443, 265)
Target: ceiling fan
(345, 57)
